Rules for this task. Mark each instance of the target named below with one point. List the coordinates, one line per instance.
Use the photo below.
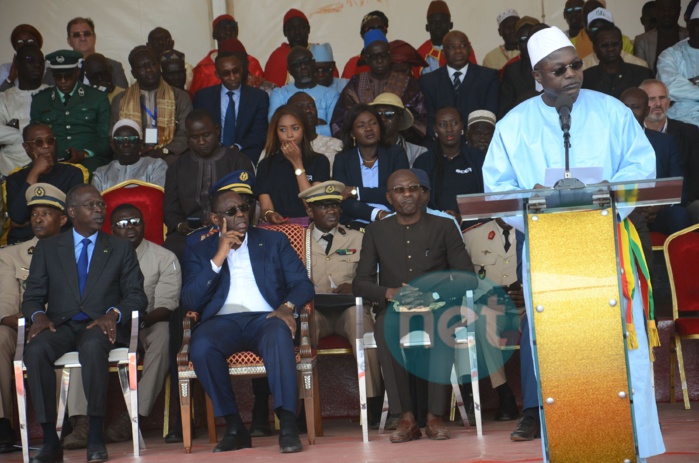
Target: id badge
(151, 136)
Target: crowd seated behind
(232, 143)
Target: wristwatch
(292, 306)
(354, 192)
(166, 151)
(299, 172)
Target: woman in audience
(289, 168)
(454, 168)
(364, 166)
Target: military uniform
(14, 270)
(332, 269)
(82, 124)
(498, 267)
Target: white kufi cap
(543, 43)
(128, 123)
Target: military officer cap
(64, 60)
(44, 194)
(326, 191)
(240, 181)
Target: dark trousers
(397, 380)
(93, 348)
(214, 340)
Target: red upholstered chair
(657, 240)
(145, 196)
(681, 255)
(247, 364)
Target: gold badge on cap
(330, 188)
(39, 191)
(243, 176)
(60, 59)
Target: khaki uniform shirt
(490, 261)
(14, 270)
(162, 278)
(340, 265)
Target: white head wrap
(128, 123)
(543, 43)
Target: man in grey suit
(82, 286)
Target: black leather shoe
(48, 455)
(234, 440)
(528, 428)
(97, 453)
(174, 437)
(289, 441)
(507, 409)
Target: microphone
(564, 105)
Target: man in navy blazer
(246, 285)
(461, 84)
(245, 124)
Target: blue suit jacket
(251, 117)
(278, 271)
(347, 169)
(479, 90)
(668, 160)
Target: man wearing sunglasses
(409, 245)
(129, 164)
(40, 144)
(22, 35)
(246, 285)
(603, 134)
(573, 15)
(397, 118)
(162, 282)
(82, 38)
(15, 105)
(47, 217)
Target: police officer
(47, 217)
(77, 113)
(334, 257)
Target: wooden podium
(576, 310)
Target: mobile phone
(194, 222)
(65, 156)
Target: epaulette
(473, 227)
(342, 231)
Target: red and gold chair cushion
(147, 197)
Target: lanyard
(153, 116)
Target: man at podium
(527, 142)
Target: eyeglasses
(133, 221)
(77, 35)
(399, 190)
(94, 204)
(575, 66)
(378, 56)
(21, 42)
(325, 69)
(574, 9)
(233, 211)
(41, 142)
(131, 139)
(387, 114)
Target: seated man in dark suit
(244, 123)
(245, 284)
(461, 84)
(82, 286)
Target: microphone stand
(567, 182)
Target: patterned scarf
(632, 256)
(130, 108)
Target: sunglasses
(122, 224)
(399, 190)
(131, 139)
(575, 66)
(387, 114)
(233, 211)
(41, 142)
(77, 35)
(574, 9)
(21, 42)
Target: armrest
(133, 340)
(188, 323)
(306, 320)
(21, 334)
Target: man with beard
(82, 286)
(15, 105)
(302, 67)
(409, 245)
(480, 128)
(48, 216)
(686, 136)
(187, 203)
(296, 30)
(129, 164)
(40, 144)
(97, 71)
